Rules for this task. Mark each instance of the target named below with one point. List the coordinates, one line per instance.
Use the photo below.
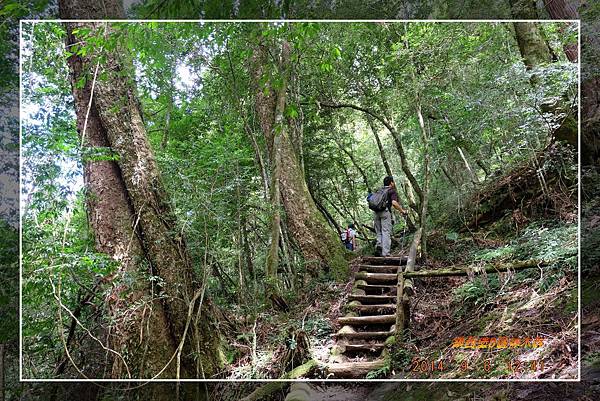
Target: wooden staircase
(372, 310)
(369, 320)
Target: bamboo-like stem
(490, 268)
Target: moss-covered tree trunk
(189, 315)
(535, 51)
(532, 44)
(307, 227)
(131, 218)
(112, 219)
(319, 244)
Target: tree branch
(395, 135)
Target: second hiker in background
(381, 202)
(349, 237)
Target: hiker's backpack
(378, 201)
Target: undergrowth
(540, 240)
(530, 302)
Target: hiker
(381, 202)
(349, 237)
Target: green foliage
(496, 253)
(545, 240)
(318, 327)
(400, 356)
(382, 372)
(476, 292)
(452, 236)
(58, 250)
(549, 241)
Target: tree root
(265, 391)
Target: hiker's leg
(377, 226)
(386, 233)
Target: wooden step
(387, 260)
(365, 320)
(363, 347)
(374, 287)
(353, 370)
(366, 310)
(364, 335)
(372, 299)
(378, 268)
(376, 277)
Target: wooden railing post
(399, 306)
(405, 288)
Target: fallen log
(489, 268)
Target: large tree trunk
(112, 220)
(535, 52)
(590, 121)
(563, 9)
(163, 243)
(532, 45)
(318, 244)
(132, 222)
(272, 262)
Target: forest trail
(369, 320)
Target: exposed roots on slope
(545, 186)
